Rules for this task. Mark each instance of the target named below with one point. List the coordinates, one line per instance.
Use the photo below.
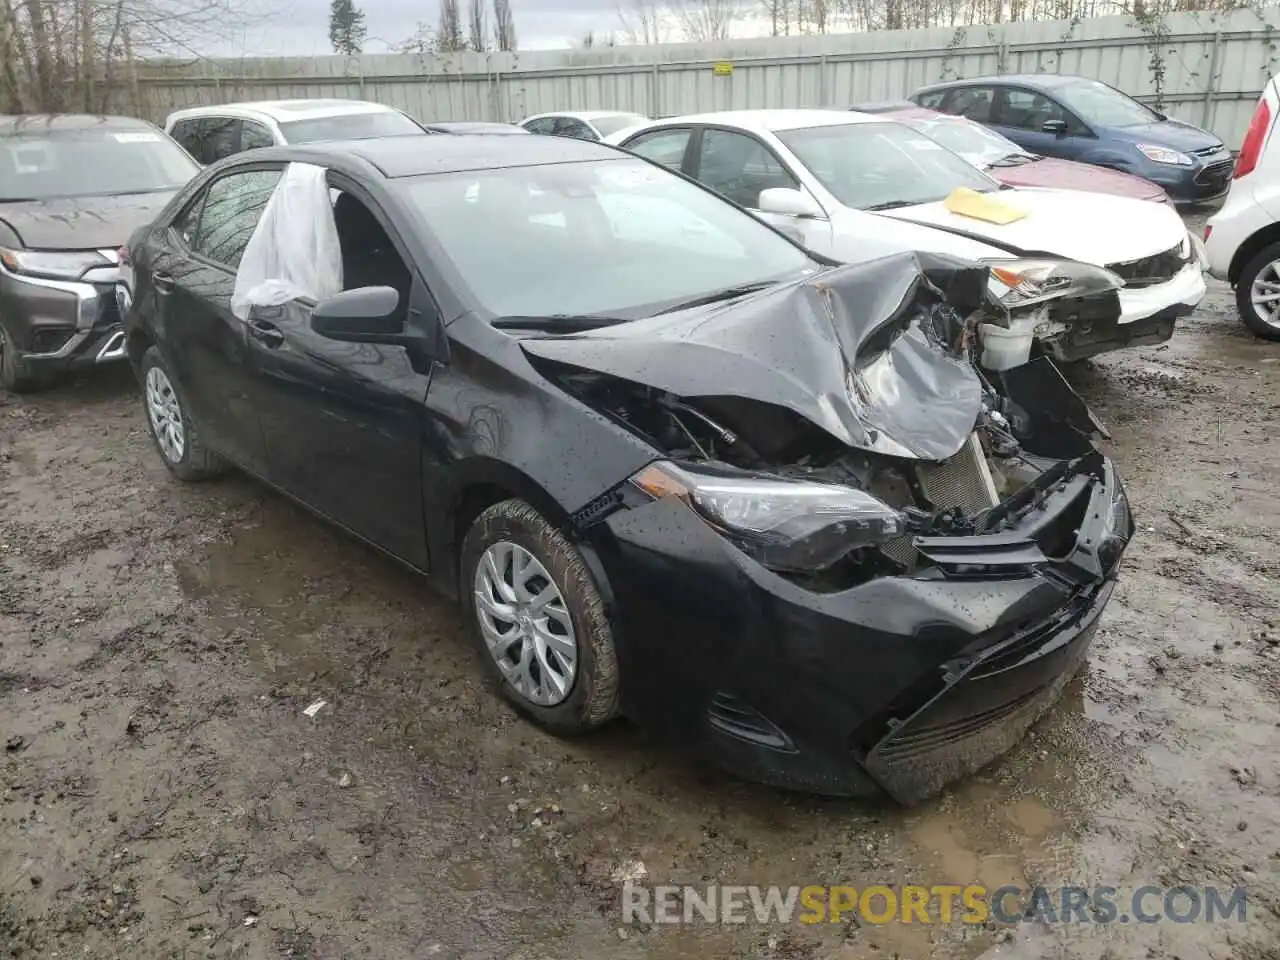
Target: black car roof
(414, 156)
(49, 122)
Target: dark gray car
(72, 190)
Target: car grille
(1148, 271)
(1216, 173)
(1207, 151)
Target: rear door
(205, 343)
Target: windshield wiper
(569, 323)
(1016, 160)
(891, 205)
(716, 296)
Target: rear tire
(538, 619)
(1264, 267)
(177, 438)
(15, 374)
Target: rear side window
(576, 129)
(663, 146)
(541, 125)
(209, 139)
(231, 210)
(187, 135)
(973, 102)
(254, 136)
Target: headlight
(54, 265)
(1021, 283)
(784, 524)
(1158, 154)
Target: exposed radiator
(962, 482)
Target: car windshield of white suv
(616, 122)
(879, 166)
(51, 164)
(980, 146)
(1101, 106)
(616, 239)
(349, 126)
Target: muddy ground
(162, 793)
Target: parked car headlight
(1158, 154)
(52, 264)
(784, 524)
(1021, 283)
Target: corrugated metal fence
(1204, 68)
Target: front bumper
(62, 324)
(1203, 183)
(898, 685)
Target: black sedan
(672, 465)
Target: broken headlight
(795, 525)
(1022, 283)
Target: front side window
(619, 237)
(232, 207)
(739, 167)
(1028, 110)
(350, 126)
(662, 146)
(50, 164)
(932, 101)
(1103, 106)
(879, 166)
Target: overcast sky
(301, 27)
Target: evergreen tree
(346, 27)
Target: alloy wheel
(1265, 294)
(165, 414)
(525, 624)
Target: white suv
(211, 133)
(1242, 239)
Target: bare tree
(422, 41)
(504, 26)
(644, 21)
(68, 55)
(703, 20)
(449, 36)
(477, 28)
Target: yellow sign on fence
(723, 69)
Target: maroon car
(1009, 163)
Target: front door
(206, 343)
(1021, 116)
(739, 167)
(343, 422)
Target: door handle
(163, 282)
(268, 334)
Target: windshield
(617, 237)
(44, 164)
(974, 142)
(870, 166)
(349, 126)
(1101, 106)
(616, 122)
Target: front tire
(538, 619)
(178, 440)
(15, 374)
(1258, 280)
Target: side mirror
(789, 202)
(364, 315)
(1056, 127)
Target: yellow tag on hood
(980, 206)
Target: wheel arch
(1250, 248)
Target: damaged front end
(912, 552)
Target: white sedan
(855, 187)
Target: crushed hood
(1070, 175)
(81, 223)
(1066, 223)
(860, 351)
